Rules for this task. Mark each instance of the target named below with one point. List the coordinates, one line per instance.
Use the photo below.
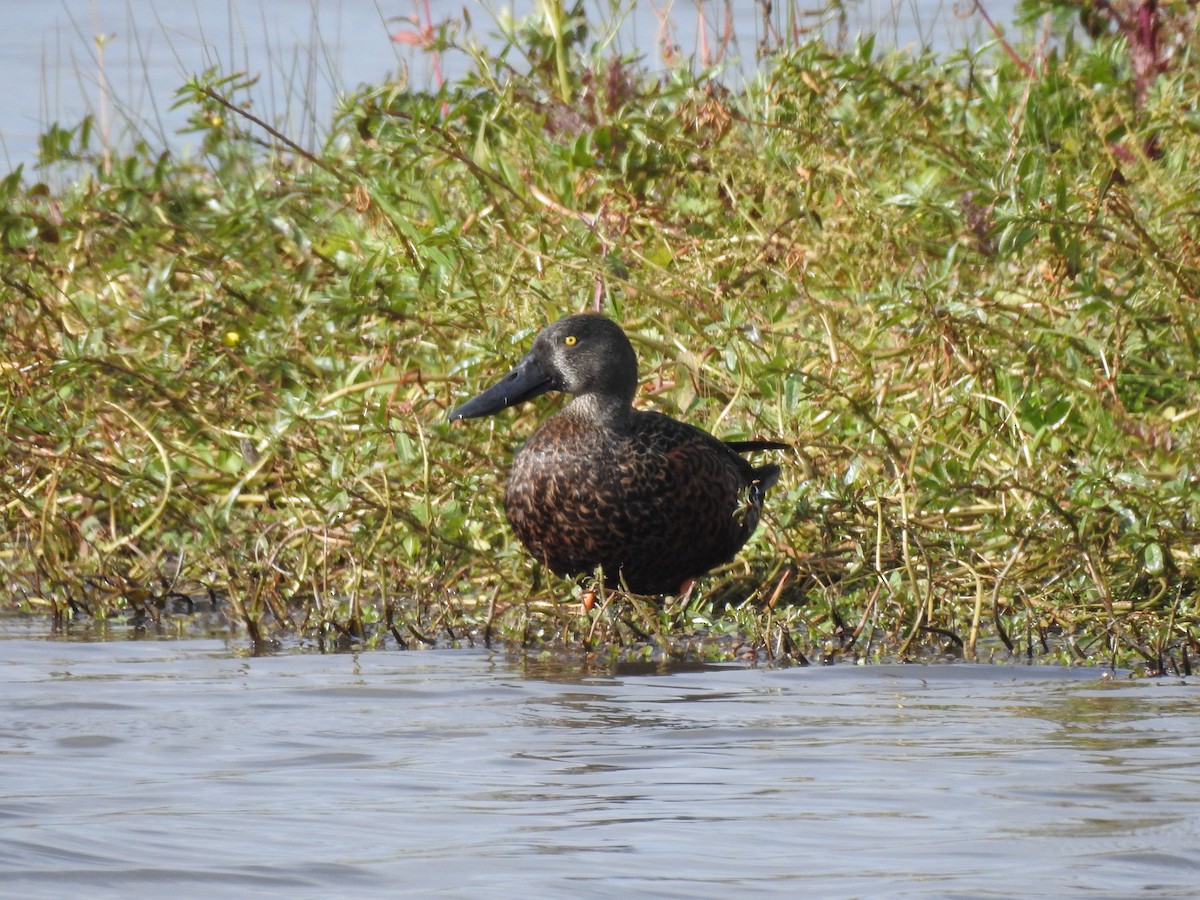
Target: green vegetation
(965, 289)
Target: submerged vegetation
(965, 289)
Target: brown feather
(651, 501)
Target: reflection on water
(161, 766)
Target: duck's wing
(753, 446)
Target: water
(130, 768)
(123, 60)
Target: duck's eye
(570, 340)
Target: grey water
(122, 61)
(131, 768)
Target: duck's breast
(659, 501)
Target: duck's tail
(764, 476)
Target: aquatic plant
(961, 288)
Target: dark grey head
(588, 356)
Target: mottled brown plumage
(651, 501)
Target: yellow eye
(570, 340)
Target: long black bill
(524, 382)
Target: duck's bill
(523, 383)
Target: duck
(645, 500)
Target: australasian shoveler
(650, 501)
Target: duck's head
(587, 356)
